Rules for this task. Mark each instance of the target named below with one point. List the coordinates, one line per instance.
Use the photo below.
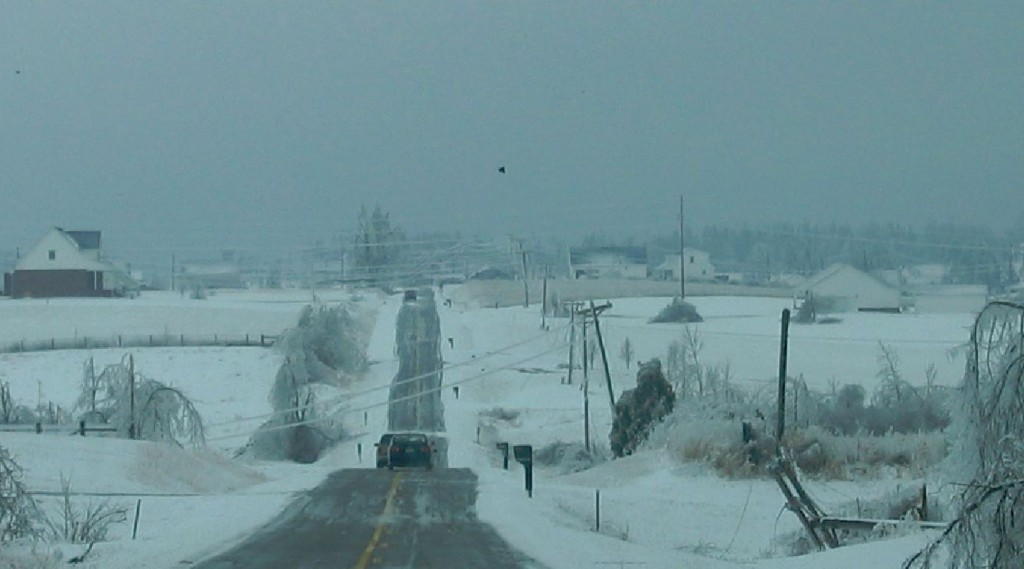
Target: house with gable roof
(608, 262)
(843, 288)
(63, 263)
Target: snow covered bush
(640, 408)
(678, 311)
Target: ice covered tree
(139, 407)
(986, 531)
(377, 245)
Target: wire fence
(140, 341)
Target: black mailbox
(523, 453)
(524, 456)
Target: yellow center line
(389, 504)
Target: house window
(53, 254)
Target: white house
(842, 288)
(698, 266)
(608, 262)
(949, 299)
(62, 263)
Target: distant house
(63, 263)
(698, 266)
(608, 262)
(842, 288)
(209, 275)
(949, 299)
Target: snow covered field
(655, 512)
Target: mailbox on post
(503, 447)
(524, 456)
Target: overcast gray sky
(256, 124)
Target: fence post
(597, 510)
(182, 339)
(135, 526)
(53, 343)
(81, 428)
(118, 340)
(247, 339)
(85, 341)
(39, 428)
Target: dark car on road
(405, 450)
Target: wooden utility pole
(586, 390)
(526, 282)
(682, 250)
(783, 349)
(572, 340)
(604, 356)
(544, 300)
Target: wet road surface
(378, 519)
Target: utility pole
(174, 269)
(131, 397)
(604, 356)
(783, 351)
(572, 340)
(682, 250)
(586, 391)
(526, 282)
(544, 300)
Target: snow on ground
(655, 511)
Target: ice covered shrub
(677, 311)
(90, 524)
(640, 408)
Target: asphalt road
(364, 519)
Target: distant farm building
(949, 299)
(65, 263)
(842, 288)
(698, 266)
(209, 275)
(608, 262)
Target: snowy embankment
(655, 510)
